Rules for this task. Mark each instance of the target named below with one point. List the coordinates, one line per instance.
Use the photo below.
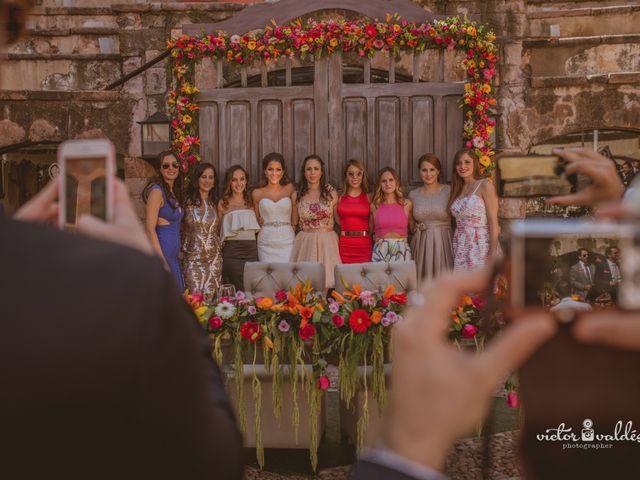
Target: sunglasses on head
(165, 166)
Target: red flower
(400, 298)
(359, 321)
(337, 320)
(370, 30)
(512, 399)
(307, 332)
(215, 323)
(281, 295)
(323, 382)
(250, 331)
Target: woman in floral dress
(313, 213)
(474, 205)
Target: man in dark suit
(105, 372)
(581, 274)
(607, 274)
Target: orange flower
(339, 298)
(466, 300)
(454, 317)
(391, 289)
(305, 312)
(264, 303)
(376, 317)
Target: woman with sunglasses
(202, 251)
(352, 214)
(163, 196)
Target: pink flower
(323, 382)
(215, 323)
(281, 295)
(283, 326)
(478, 302)
(512, 399)
(338, 320)
(378, 43)
(469, 331)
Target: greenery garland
(364, 38)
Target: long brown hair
(325, 190)
(378, 195)
(176, 195)
(193, 189)
(354, 162)
(274, 157)
(227, 192)
(457, 183)
(432, 159)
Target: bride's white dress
(275, 240)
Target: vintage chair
(377, 275)
(265, 279)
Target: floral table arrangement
(300, 327)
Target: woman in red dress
(352, 214)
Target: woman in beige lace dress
(431, 246)
(201, 247)
(313, 212)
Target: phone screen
(85, 188)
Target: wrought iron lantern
(155, 135)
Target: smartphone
(533, 176)
(570, 264)
(87, 171)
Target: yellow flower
(467, 101)
(486, 88)
(396, 28)
(471, 31)
(251, 44)
(333, 42)
(186, 119)
(489, 130)
(200, 311)
(485, 161)
(268, 343)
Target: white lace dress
(275, 240)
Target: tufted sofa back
(375, 276)
(265, 279)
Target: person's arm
(295, 217)
(256, 196)
(408, 210)
(336, 217)
(184, 419)
(372, 216)
(490, 198)
(154, 203)
(220, 212)
(573, 279)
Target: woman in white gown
(272, 202)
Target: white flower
(225, 310)
(235, 38)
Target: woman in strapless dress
(273, 206)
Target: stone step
(45, 71)
(542, 5)
(82, 40)
(583, 55)
(589, 21)
(626, 78)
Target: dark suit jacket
(104, 372)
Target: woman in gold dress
(201, 247)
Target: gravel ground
(464, 462)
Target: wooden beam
(257, 16)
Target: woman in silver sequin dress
(201, 247)
(431, 246)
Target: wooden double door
(383, 124)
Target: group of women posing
(206, 241)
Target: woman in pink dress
(313, 205)
(391, 214)
(474, 205)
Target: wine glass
(227, 290)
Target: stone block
(43, 130)
(135, 187)
(156, 81)
(512, 208)
(137, 168)
(10, 133)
